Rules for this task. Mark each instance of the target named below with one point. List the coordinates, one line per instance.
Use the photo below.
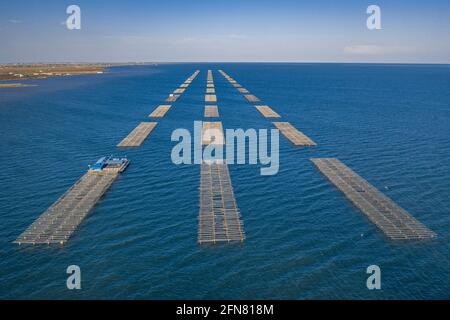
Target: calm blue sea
(390, 123)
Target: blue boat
(110, 164)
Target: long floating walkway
(267, 112)
(186, 83)
(160, 111)
(57, 224)
(211, 112)
(293, 135)
(244, 91)
(138, 135)
(219, 217)
(190, 79)
(193, 76)
(212, 133)
(394, 221)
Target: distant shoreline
(16, 85)
(10, 72)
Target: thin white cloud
(236, 36)
(186, 40)
(375, 50)
(364, 50)
(15, 21)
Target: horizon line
(219, 62)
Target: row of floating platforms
(249, 97)
(188, 81)
(138, 135)
(192, 77)
(211, 111)
(58, 223)
(392, 220)
(143, 130)
(219, 217)
(209, 77)
(210, 90)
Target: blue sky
(233, 30)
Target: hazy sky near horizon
(235, 30)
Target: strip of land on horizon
(44, 70)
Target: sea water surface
(305, 240)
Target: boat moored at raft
(58, 223)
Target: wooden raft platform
(172, 98)
(57, 224)
(392, 220)
(293, 135)
(210, 98)
(211, 112)
(219, 217)
(243, 90)
(160, 111)
(210, 90)
(212, 133)
(210, 85)
(138, 135)
(251, 98)
(267, 112)
(179, 90)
